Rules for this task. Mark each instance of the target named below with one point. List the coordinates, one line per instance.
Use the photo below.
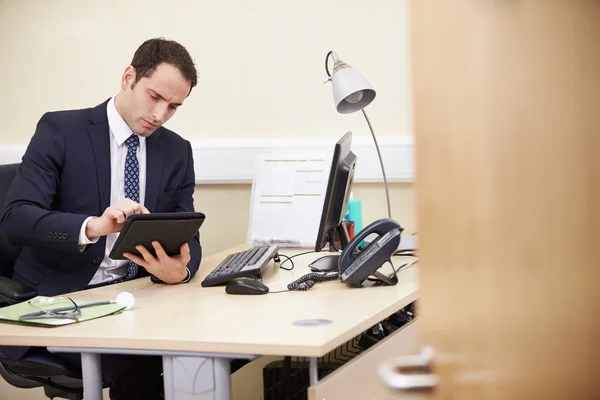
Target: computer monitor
(332, 224)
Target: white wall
(261, 62)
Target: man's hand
(168, 269)
(113, 219)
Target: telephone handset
(356, 266)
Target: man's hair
(154, 52)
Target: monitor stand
(329, 263)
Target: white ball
(125, 299)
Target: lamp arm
(385, 183)
(326, 66)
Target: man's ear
(128, 78)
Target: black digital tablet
(171, 230)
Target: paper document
(288, 191)
(407, 242)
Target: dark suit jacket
(65, 177)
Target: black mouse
(246, 286)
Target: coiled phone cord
(307, 281)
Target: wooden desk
(199, 329)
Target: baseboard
(231, 161)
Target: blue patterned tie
(132, 191)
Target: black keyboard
(247, 263)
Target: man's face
(153, 99)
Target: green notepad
(12, 313)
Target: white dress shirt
(109, 269)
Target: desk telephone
(357, 266)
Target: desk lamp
(352, 92)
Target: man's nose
(160, 111)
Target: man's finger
(139, 261)
(129, 207)
(145, 253)
(128, 212)
(135, 209)
(138, 209)
(145, 210)
(127, 202)
(117, 215)
(185, 253)
(160, 252)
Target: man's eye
(154, 97)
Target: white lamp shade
(351, 91)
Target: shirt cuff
(189, 276)
(83, 240)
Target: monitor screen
(339, 186)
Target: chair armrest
(12, 292)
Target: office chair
(38, 368)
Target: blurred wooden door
(507, 122)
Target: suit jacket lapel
(99, 137)
(154, 162)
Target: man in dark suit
(84, 172)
